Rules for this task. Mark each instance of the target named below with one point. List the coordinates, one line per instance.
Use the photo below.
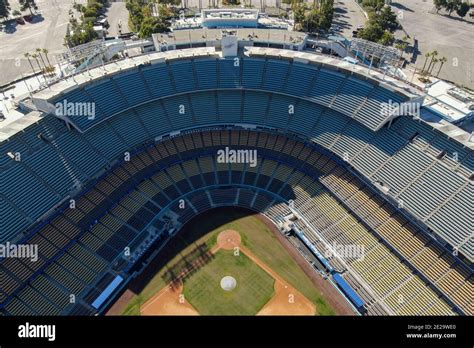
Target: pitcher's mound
(228, 239)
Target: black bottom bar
(223, 331)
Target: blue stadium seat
(351, 96)
(229, 73)
(133, 88)
(426, 194)
(204, 107)
(299, 79)
(385, 144)
(154, 118)
(372, 113)
(179, 111)
(275, 75)
(49, 165)
(457, 214)
(206, 71)
(229, 106)
(158, 79)
(326, 86)
(352, 140)
(27, 192)
(77, 151)
(12, 222)
(31, 136)
(252, 73)
(279, 111)
(106, 141)
(255, 107)
(129, 128)
(394, 173)
(13, 146)
(329, 126)
(107, 98)
(305, 117)
(183, 76)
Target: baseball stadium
(232, 172)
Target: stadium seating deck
(335, 113)
(322, 191)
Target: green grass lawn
(256, 236)
(254, 286)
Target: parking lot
(451, 37)
(47, 30)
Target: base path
(168, 302)
(287, 301)
(118, 307)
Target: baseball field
(187, 276)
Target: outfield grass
(254, 286)
(256, 236)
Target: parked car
(20, 21)
(102, 22)
(28, 18)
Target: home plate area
(234, 282)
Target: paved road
(117, 13)
(347, 17)
(451, 37)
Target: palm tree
(28, 4)
(45, 51)
(435, 61)
(27, 56)
(434, 54)
(402, 46)
(35, 56)
(427, 55)
(39, 50)
(442, 60)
